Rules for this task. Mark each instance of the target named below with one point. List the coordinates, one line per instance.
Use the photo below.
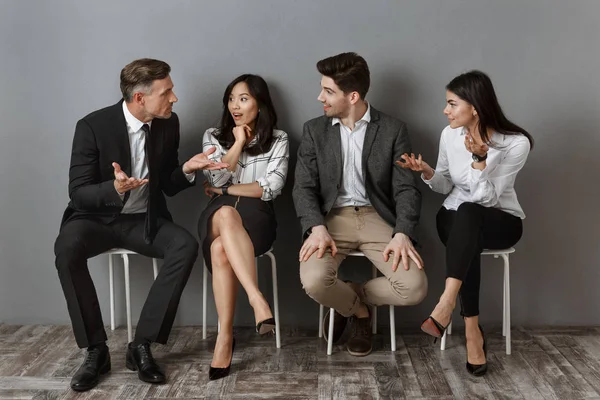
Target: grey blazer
(392, 190)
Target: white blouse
(268, 169)
(492, 187)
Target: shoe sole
(266, 328)
(357, 354)
(429, 328)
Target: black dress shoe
(339, 325)
(481, 369)
(97, 362)
(139, 358)
(218, 373)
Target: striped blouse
(268, 169)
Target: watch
(477, 158)
(224, 190)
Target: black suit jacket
(392, 190)
(100, 139)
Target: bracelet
(477, 158)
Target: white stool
(506, 301)
(373, 313)
(125, 255)
(275, 296)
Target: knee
(68, 250)
(227, 215)
(217, 253)
(410, 292)
(316, 278)
(183, 245)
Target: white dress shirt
(138, 198)
(491, 187)
(268, 169)
(352, 191)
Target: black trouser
(465, 233)
(81, 239)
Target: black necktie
(150, 223)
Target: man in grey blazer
(350, 195)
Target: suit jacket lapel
(121, 138)
(370, 136)
(334, 142)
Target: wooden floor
(37, 362)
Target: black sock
(100, 346)
(136, 342)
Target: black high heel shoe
(266, 326)
(431, 327)
(479, 370)
(218, 373)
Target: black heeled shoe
(479, 370)
(431, 327)
(266, 326)
(218, 373)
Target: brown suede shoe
(360, 342)
(339, 325)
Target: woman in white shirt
(480, 154)
(238, 223)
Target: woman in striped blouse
(239, 222)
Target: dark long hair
(266, 120)
(476, 88)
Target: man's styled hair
(138, 75)
(349, 71)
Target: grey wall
(61, 60)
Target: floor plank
(37, 362)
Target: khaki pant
(362, 229)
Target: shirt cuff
(190, 177)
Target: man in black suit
(124, 157)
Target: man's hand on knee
(402, 247)
(319, 240)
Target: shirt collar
(134, 123)
(366, 117)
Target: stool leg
(330, 333)
(111, 284)
(393, 327)
(127, 296)
(503, 302)
(155, 267)
(374, 308)
(449, 328)
(204, 289)
(275, 299)
(507, 302)
(321, 320)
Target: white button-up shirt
(491, 187)
(352, 191)
(138, 198)
(268, 169)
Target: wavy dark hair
(476, 88)
(266, 120)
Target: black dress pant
(81, 239)
(465, 233)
